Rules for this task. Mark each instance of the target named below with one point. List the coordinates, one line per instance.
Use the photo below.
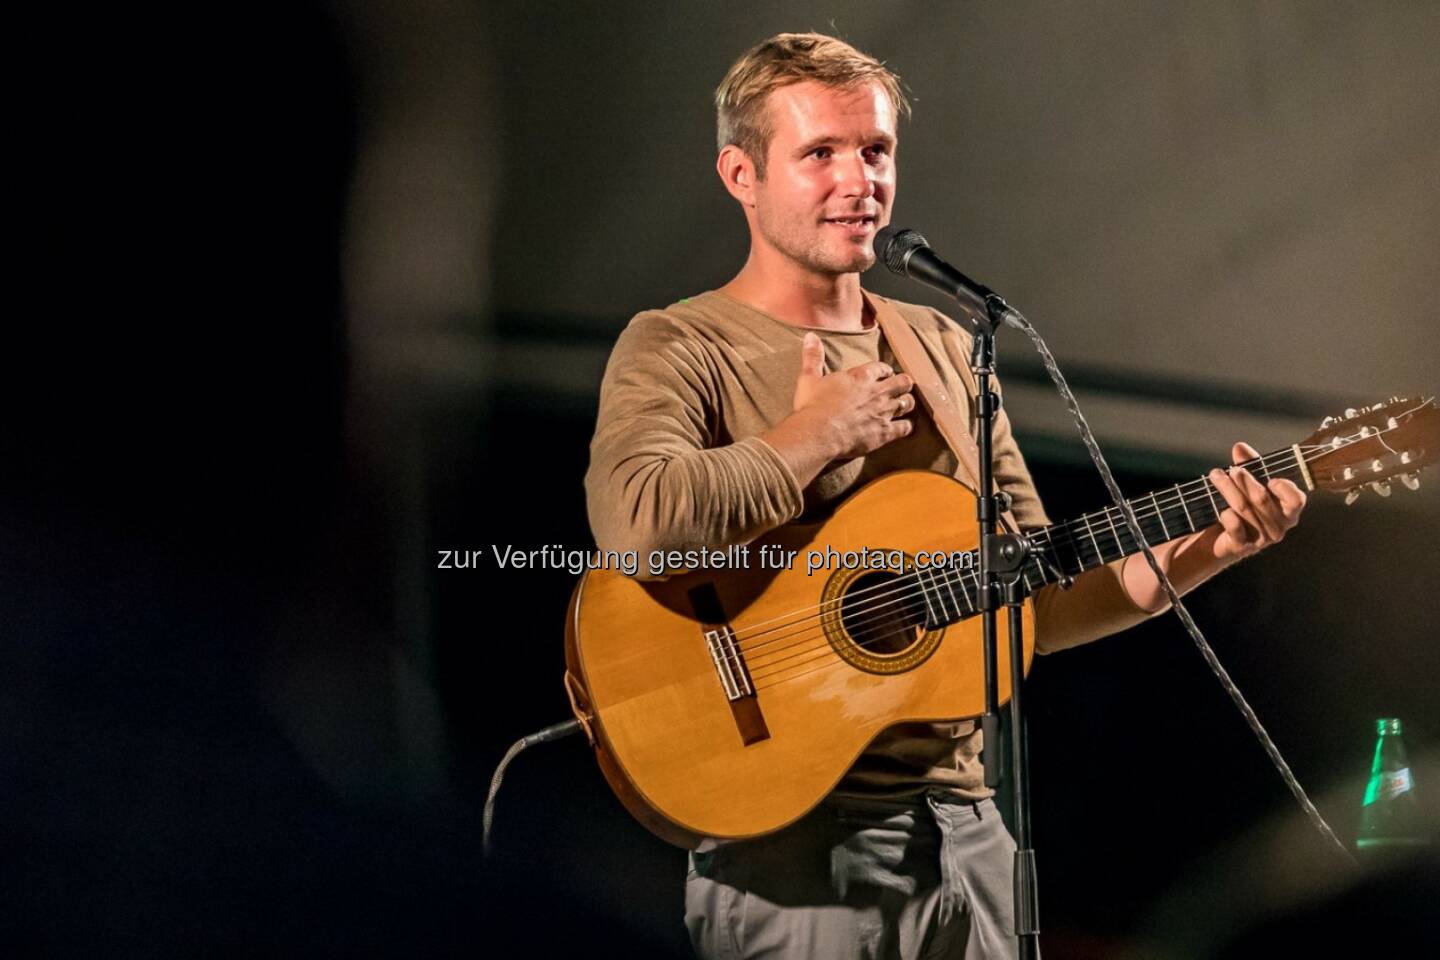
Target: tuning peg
(1381, 487)
(1328, 421)
(1411, 480)
(1350, 413)
(1352, 495)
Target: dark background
(284, 328)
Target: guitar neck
(1095, 539)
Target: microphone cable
(1014, 318)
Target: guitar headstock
(1367, 447)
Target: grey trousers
(914, 879)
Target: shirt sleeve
(657, 480)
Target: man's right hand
(862, 408)
(839, 416)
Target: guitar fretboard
(1095, 539)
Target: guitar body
(828, 663)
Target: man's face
(830, 175)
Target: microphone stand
(1002, 558)
(1002, 555)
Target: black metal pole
(982, 364)
(1027, 893)
(1002, 559)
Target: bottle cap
(1389, 725)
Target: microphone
(907, 253)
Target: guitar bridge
(729, 663)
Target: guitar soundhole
(878, 616)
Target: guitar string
(1318, 449)
(1076, 543)
(904, 592)
(1283, 459)
(874, 631)
(1174, 497)
(904, 598)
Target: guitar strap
(916, 362)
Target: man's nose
(856, 177)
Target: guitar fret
(1161, 514)
(1041, 575)
(1048, 549)
(965, 592)
(949, 583)
(1074, 550)
(1188, 521)
(1210, 492)
(925, 595)
(1100, 557)
(944, 610)
(1072, 538)
(1110, 517)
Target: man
(728, 414)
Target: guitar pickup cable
(556, 731)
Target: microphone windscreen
(893, 247)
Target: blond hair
(741, 112)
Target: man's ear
(737, 172)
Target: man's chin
(838, 262)
(858, 263)
(836, 269)
(851, 258)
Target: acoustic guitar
(728, 703)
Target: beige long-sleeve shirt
(677, 463)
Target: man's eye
(879, 150)
(822, 153)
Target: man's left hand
(1257, 514)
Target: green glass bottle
(1390, 817)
